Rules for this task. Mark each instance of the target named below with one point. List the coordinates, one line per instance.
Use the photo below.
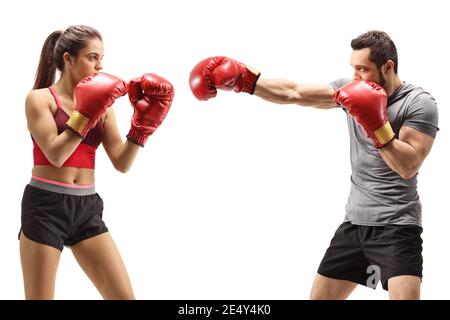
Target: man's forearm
(289, 92)
(277, 91)
(401, 157)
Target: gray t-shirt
(378, 195)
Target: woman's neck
(66, 86)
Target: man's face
(364, 69)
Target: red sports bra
(84, 154)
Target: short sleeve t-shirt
(379, 195)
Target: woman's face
(88, 61)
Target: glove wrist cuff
(78, 123)
(138, 136)
(383, 135)
(249, 79)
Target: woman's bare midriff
(65, 174)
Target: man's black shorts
(356, 252)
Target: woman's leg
(101, 261)
(39, 266)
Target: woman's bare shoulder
(38, 100)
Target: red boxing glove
(94, 95)
(222, 73)
(151, 97)
(366, 102)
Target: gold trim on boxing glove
(384, 134)
(77, 122)
(252, 70)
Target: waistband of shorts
(64, 188)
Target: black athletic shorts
(363, 254)
(60, 215)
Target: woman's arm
(121, 154)
(42, 126)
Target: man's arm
(406, 154)
(366, 102)
(227, 74)
(287, 92)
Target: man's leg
(404, 288)
(325, 288)
(343, 266)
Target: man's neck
(392, 85)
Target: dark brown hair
(382, 48)
(72, 40)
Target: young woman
(68, 121)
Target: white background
(234, 198)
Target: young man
(392, 126)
